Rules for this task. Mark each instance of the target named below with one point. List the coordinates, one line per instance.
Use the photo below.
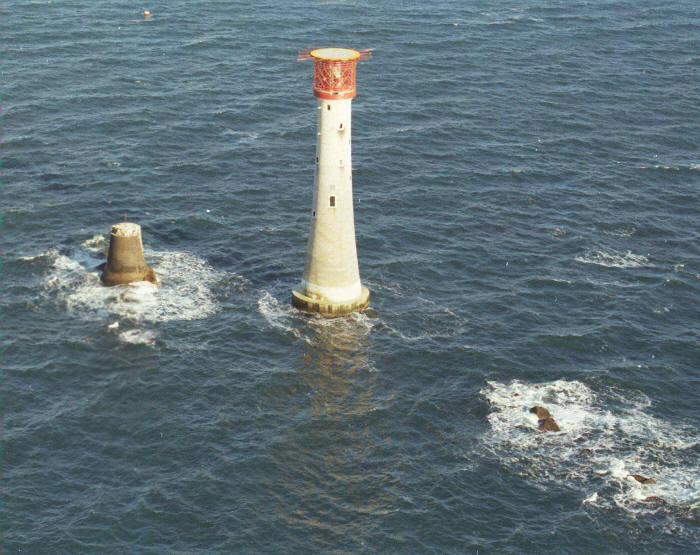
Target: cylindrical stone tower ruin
(331, 284)
(125, 261)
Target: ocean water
(527, 179)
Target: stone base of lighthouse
(330, 309)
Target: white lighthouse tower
(331, 283)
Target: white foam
(623, 231)
(605, 437)
(690, 167)
(514, 19)
(64, 269)
(437, 322)
(97, 243)
(277, 314)
(185, 292)
(284, 317)
(245, 136)
(138, 337)
(395, 288)
(353, 321)
(141, 292)
(34, 257)
(613, 260)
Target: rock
(643, 479)
(547, 425)
(541, 412)
(545, 422)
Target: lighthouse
(331, 285)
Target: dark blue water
(526, 185)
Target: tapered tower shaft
(125, 261)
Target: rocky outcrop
(643, 479)
(545, 422)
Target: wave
(99, 242)
(613, 260)
(691, 167)
(497, 20)
(244, 137)
(138, 337)
(278, 315)
(622, 231)
(605, 437)
(284, 317)
(185, 293)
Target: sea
(527, 209)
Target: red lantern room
(334, 71)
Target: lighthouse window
(340, 127)
(332, 201)
(328, 107)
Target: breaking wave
(277, 314)
(98, 242)
(613, 260)
(138, 337)
(285, 318)
(604, 439)
(185, 292)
